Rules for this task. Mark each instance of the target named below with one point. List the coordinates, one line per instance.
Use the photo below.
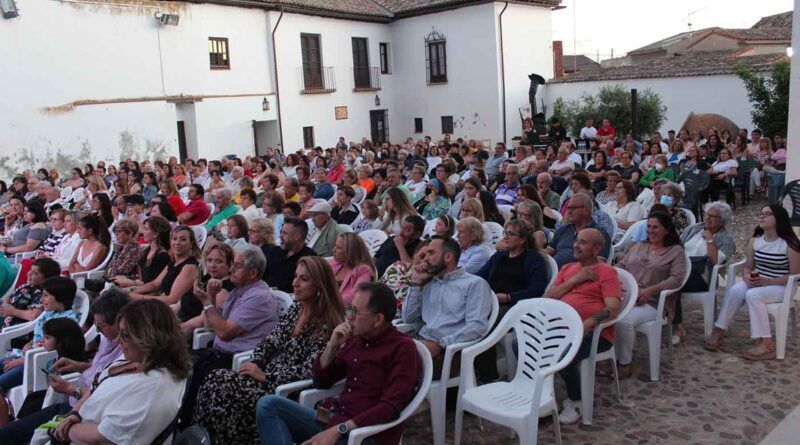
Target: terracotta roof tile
(782, 20)
(705, 63)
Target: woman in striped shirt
(772, 255)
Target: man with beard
(282, 260)
(452, 305)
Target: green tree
(769, 95)
(613, 102)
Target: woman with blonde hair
(227, 399)
(474, 253)
(472, 207)
(170, 190)
(217, 261)
(261, 232)
(396, 207)
(352, 264)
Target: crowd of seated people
(209, 245)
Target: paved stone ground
(702, 397)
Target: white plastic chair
(309, 397)
(558, 217)
(437, 394)
(506, 210)
(690, 218)
(430, 229)
(184, 194)
(627, 237)
(374, 238)
(495, 231)
(51, 397)
(18, 257)
(344, 228)
(80, 277)
(81, 305)
(630, 292)
(615, 229)
(708, 299)
(652, 329)
(553, 332)
(508, 340)
(200, 235)
(780, 311)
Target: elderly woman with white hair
(562, 166)
(708, 243)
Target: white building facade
(106, 80)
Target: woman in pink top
(352, 264)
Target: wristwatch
(77, 394)
(343, 429)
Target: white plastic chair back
(284, 301)
(374, 238)
(614, 228)
(430, 228)
(506, 210)
(200, 235)
(552, 267)
(184, 193)
(495, 230)
(211, 208)
(80, 277)
(312, 230)
(81, 306)
(77, 194)
(690, 218)
(627, 237)
(344, 228)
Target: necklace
(646, 259)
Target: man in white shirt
(753, 147)
(589, 132)
(417, 182)
(573, 157)
(657, 141)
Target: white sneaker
(571, 412)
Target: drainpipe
(277, 89)
(503, 72)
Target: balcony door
(360, 62)
(312, 60)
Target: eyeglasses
(351, 313)
(236, 265)
(509, 234)
(763, 214)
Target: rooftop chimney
(558, 58)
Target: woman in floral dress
(227, 400)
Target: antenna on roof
(688, 19)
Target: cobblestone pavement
(702, 397)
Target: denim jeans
(10, 378)
(282, 421)
(20, 431)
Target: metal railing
(366, 78)
(317, 80)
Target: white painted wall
(471, 94)
(528, 49)
(793, 160)
(59, 52)
(318, 110)
(725, 95)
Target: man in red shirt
(380, 366)
(592, 288)
(336, 171)
(197, 211)
(606, 131)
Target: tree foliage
(769, 96)
(613, 102)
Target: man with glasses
(249, 314)
(380, 367)
(452, 305)
(579, 213)
(506, 193)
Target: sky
(624, 25)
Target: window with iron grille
(447, 124)
(384, 53)
(308, 137)
(417, 125)
(218, 53)
(436, 58)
